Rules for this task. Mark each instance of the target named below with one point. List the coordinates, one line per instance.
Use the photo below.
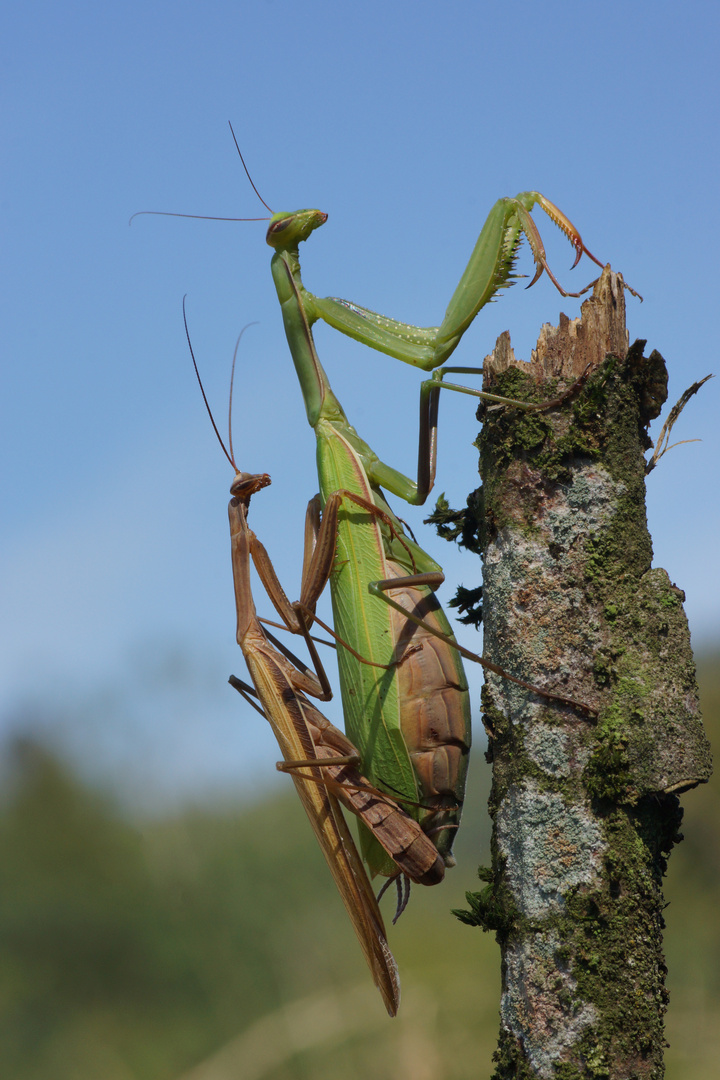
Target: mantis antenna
(247, 173)
(231, 455)
(232, 383)
(211, 217)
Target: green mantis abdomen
(411, 722)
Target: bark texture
(585, 808)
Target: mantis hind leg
(402, 884)
(380, 590)
(429, 407)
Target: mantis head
(245, 485)
(287, 230)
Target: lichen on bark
(585, 807)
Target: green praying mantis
(403, 688)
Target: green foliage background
(212, 945)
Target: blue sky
(404, 122)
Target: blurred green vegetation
(213, 945)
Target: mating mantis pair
(404, 692)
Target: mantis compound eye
(276, 227)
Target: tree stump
(585, 807)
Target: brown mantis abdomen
(434, 712)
